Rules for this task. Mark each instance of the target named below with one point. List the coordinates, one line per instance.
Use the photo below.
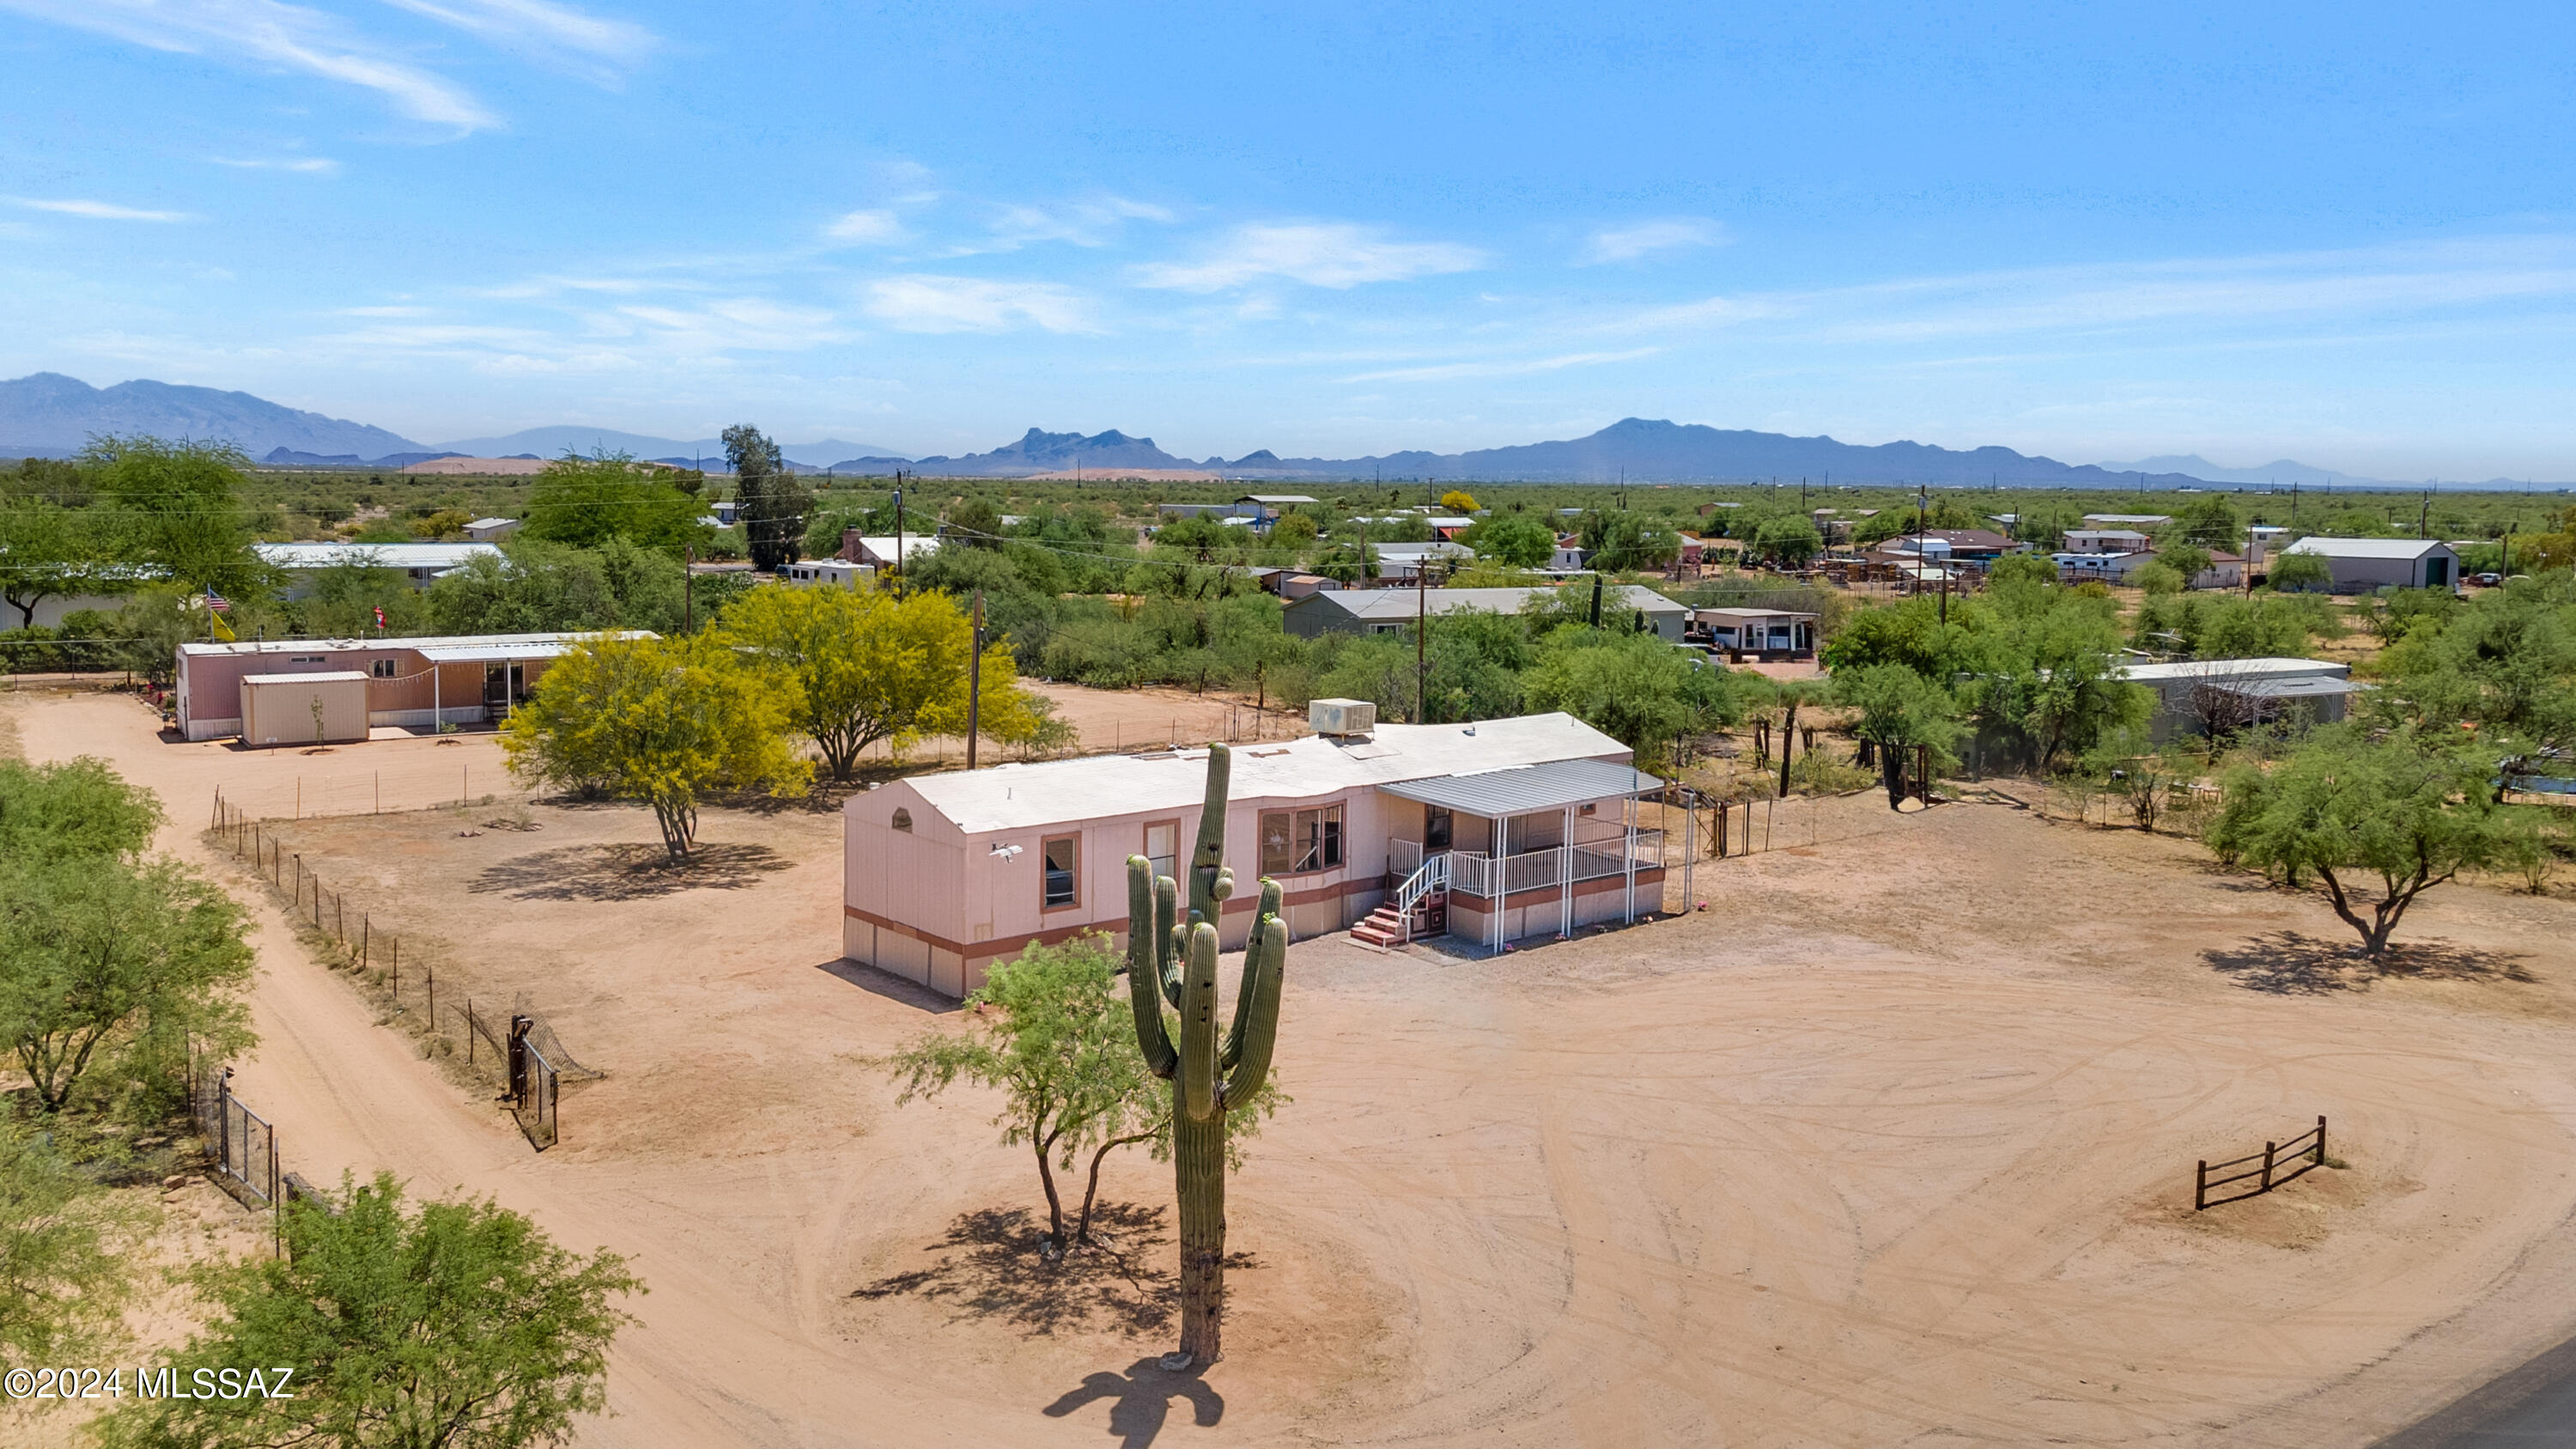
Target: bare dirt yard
(1892, 1144)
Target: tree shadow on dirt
(625, 872)
(989, 1266)
(1141, 1400)
(2292, 963)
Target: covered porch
(1531, 851)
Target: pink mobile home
(1492, 830)
(415, 683)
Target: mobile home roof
(1057, 792)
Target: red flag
(380, 616)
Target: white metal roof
(1056, 792)
(913, 543)
(2232, 670)
(375, 555)
(327, 676)
(1399, 603)
(512, 646)
(2407, 548)
(1524, 788)
(1744, 615)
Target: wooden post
(470, 1032)
(432, 973)
(366, 938)
(2268, 1150)
(2200, 1187)
(297, 900)
(2321, 1142)
(396, 955)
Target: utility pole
(2424, 518)
(898, 535)
(689, 591)
(1422, 640)
(975, 682)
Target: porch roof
(1525, 789)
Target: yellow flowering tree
(867, 666)
(661, 721)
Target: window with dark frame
(1298, 841)
(1162, 846)
(1059, 859)
(382, 669)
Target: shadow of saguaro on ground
(989, 1266)
(1141, 1400)
(2293, 963)
(625, 872)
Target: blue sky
(2341, 233)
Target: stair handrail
(1433, 876)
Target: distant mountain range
(48, 414)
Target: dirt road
(1891, 1145)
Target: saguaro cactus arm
(1256, 1012)
(1265, 922)
(1199, 1090)
(1168, 939)
(1147, 929)
(1207, 857)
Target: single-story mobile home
(1491, 831)
(421, 563)
(2196, 696)
(1392, 611)
(1770, 633)
(410, 683)
(2384, 563)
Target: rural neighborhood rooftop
(1523, 789)
(1018, 796)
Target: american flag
(217, 602)
(380, 616)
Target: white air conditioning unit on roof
(1341, 717)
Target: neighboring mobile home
(410, 683)
(1528, 823)
(1392, 611)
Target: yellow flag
(223, 631)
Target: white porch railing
(1403, 857)
(1475, 874)
(1432, 875)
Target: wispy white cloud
(1628, 243)
(309, 165)
(268, 32)
(739, 324)
(383, 312)
(1319, 254)
(875, 227)
(2224, 293)
(98, 210)
(1091, 222)
(925, 303)
(1446, 371)
(537, 20)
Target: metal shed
(304, 709)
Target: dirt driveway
(1891, 1145)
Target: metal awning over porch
(1528, 789)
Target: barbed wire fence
(514, 1049)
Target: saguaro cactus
(1172, 962)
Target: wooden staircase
(1385, 927)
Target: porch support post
(1628, 808)
(1502, 884)
(436, 716)
(1565, 876)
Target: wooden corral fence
(2307, 1150)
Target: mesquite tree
(1173, 962)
